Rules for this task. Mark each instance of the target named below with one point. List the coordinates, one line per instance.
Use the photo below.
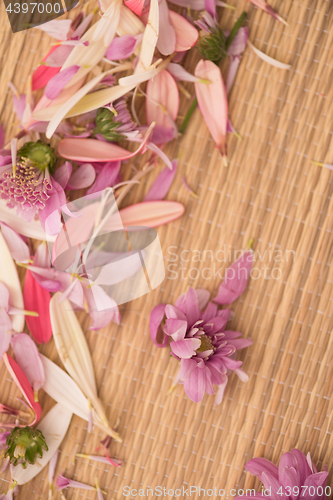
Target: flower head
(24, 444)
(212, 43)
(114, 123)
(295, 475)
(205, 349)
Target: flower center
(206, 344)
(20, 450)
(38, 155)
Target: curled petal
(83, 177)
(156, 318)
(63, 173)
(22, 383)
(185, 348)
(213, 102)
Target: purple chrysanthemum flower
(200, 341)
(295, 478)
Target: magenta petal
(172, 312)
(238, 45)
(257, 466)
(162, 183)
(18, 248)
(83, 177)
(156, 318)
(121, 47)
(236, 279)
(59, 81)
(210, 312)
(135, 5)
(2, 137)
(195, 385)
(63, 173)
(22, 383)
(193, 312)
(27, 356)
(210, 7)
(185, 348)
(241, 343)
(108, 176)
(270, 481)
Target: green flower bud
(38, 154)
(212, 46)
(24, 444)
(106, 125)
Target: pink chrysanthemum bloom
(200, 341)
(295, 478)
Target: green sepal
(213, 45)
(28, 439)
(107, 126)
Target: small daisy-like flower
(115, 122)
(24, 444)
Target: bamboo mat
(270, 192)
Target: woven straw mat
(270, 192)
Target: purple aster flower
(295, 478)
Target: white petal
(268, 59)
(150, 38)
(54, 427)
(9, 277)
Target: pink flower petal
(56, 58)
(176, 328)
(156, 318)
(163, 100)
(43, 74)
(186, 368)
(166, 42)
(92, 150)
(58, 28)
(180, 73)
(238, 45)
(236, 279)
(17, 247)
(49, 216)
(213, 103)
(108, 176)
(147, 213)
(185, 348)
(59, 81)
(83, 177)
(27, 356)
(265, 7)
(257, 466)
(62, 174)
(136, 6)
(302, 464)
(162, 183)
(5, 331)
(195, 385)
(186, 34)
(121, 47)
(36, 298)
(193, 312)
(22, 383)
(102, 308)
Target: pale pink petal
(156, 318)
(108, 176)
(176, 328)
(193, 312)
(236, 279)
(213, 102)
(36, 298)
(43, 73)
(102, 308)
(232, 72)
(221, 389)
(17, 247)
(83, 177)
(163, 100)
(238, 44)
(163, 135)
(268, 59)
(19, 103)
(59, 81)
(195, 385)
(5, 331)
(203, 297)
(186, 368)
(22, 382)
(54, 60)
(52, 467)
(166, 42)
(241, 343)
(4, 297)
(62, 174)
(135, 5)
(180, 73)
(121, 47)
(50, 215)
(186, 348)
(147, 213)
(27, 356)
(186, 34)
(58, 28)
(162, 183)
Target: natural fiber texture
(270, 192)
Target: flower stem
(235, 29)
(188, 116)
